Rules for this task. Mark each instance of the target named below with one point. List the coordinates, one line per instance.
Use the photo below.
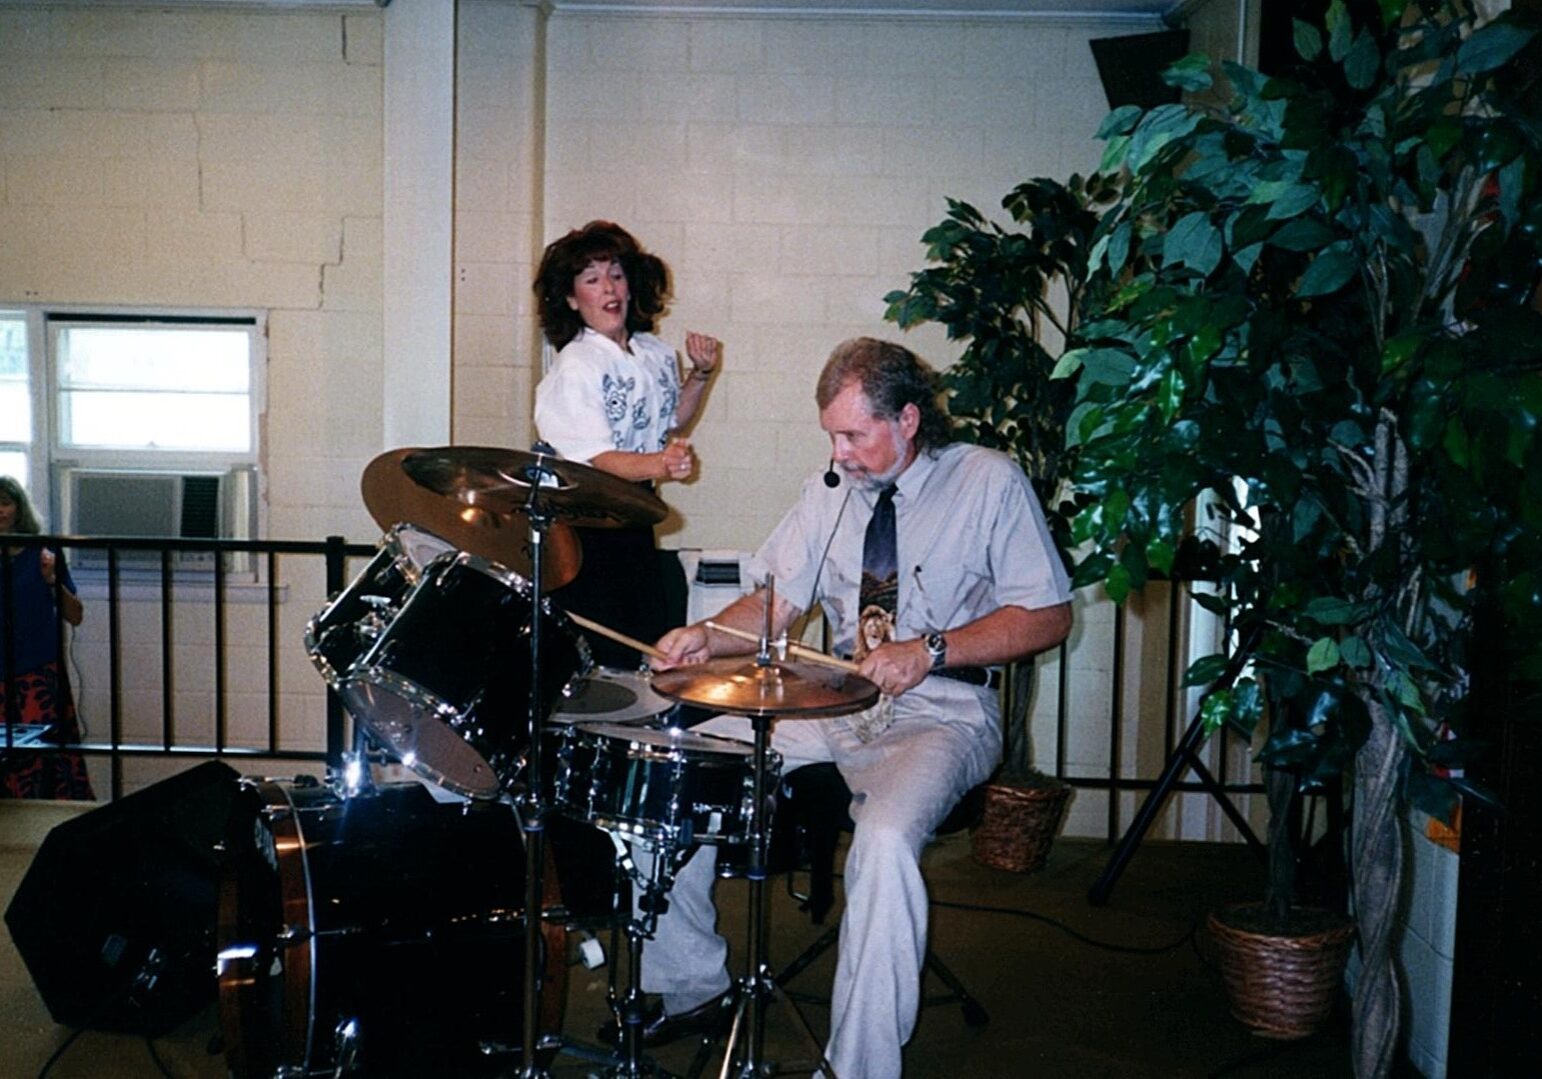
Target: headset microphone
(832, 478)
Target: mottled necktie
(877, 601)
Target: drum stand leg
(652, 901)
(745, 1050)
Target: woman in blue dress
(36, 592)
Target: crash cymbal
(484, 527)
(501, 479)
(736, 684)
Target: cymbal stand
(533, 811)
(755, 988)
(652, 900)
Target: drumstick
(812, 655)
(619, 638)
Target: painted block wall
(786, 168)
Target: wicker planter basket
(1017, 824)
(1281, 986)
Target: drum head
(612, 696)
(672, 740)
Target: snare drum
(447, 685)
(381, 934)
(352, 619)
(658, 788)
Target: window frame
(49, 461)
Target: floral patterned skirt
(44, 697)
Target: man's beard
(870, 481)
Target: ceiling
(920, 8)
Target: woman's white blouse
(597, 397)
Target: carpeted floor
(1071, 990)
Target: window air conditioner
(155, 505)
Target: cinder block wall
(785, 166)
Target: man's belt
(974, 676)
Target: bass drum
(344, 629)
(446, 687)
(380, 934)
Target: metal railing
(166, 581)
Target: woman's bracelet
(700, 375)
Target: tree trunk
(1376, 853)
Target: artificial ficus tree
(1310, 321)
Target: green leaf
(1119, 122)
(1490, 46)
(1329, 271)
(1339, 30)
(1193, 241)
(1117, 583)
(1354, 651)
(1114, 154)
(1191, 73)
(1322, 656)
(1160, 554)
(1288, 200)
(1399, 350)
(1302, 234)
(1118, 247)
(1363, 61)
(1332, 611)
(1215, 710)
(1205, 670)
(1107, 366)
(1307, 38)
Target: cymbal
(736, 684)
(501, 479)
(481, 526)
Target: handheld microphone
(832, 478)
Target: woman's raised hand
(705, 353)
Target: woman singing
(615, 400)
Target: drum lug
(291, 933)
(345, 1045)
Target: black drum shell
(389, 908)
(446, 687)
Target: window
(15, 397)
(99, 408)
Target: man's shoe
(660, 1029)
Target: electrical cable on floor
(59, 1052)
(156, 1057)
(1126, 949)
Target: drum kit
(422, 927)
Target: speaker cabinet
(115, 918)
(1131, 67)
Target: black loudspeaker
(116, 916)
(1131, 67)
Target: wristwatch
(936, 648)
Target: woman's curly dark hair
(647, 279)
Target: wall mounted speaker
(115, 917)
(1131, 67)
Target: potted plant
(1307, 329)
(1014, 297)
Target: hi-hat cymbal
(501, 479)
(738, 685)
(484, 526)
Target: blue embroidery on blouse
(617, 393)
